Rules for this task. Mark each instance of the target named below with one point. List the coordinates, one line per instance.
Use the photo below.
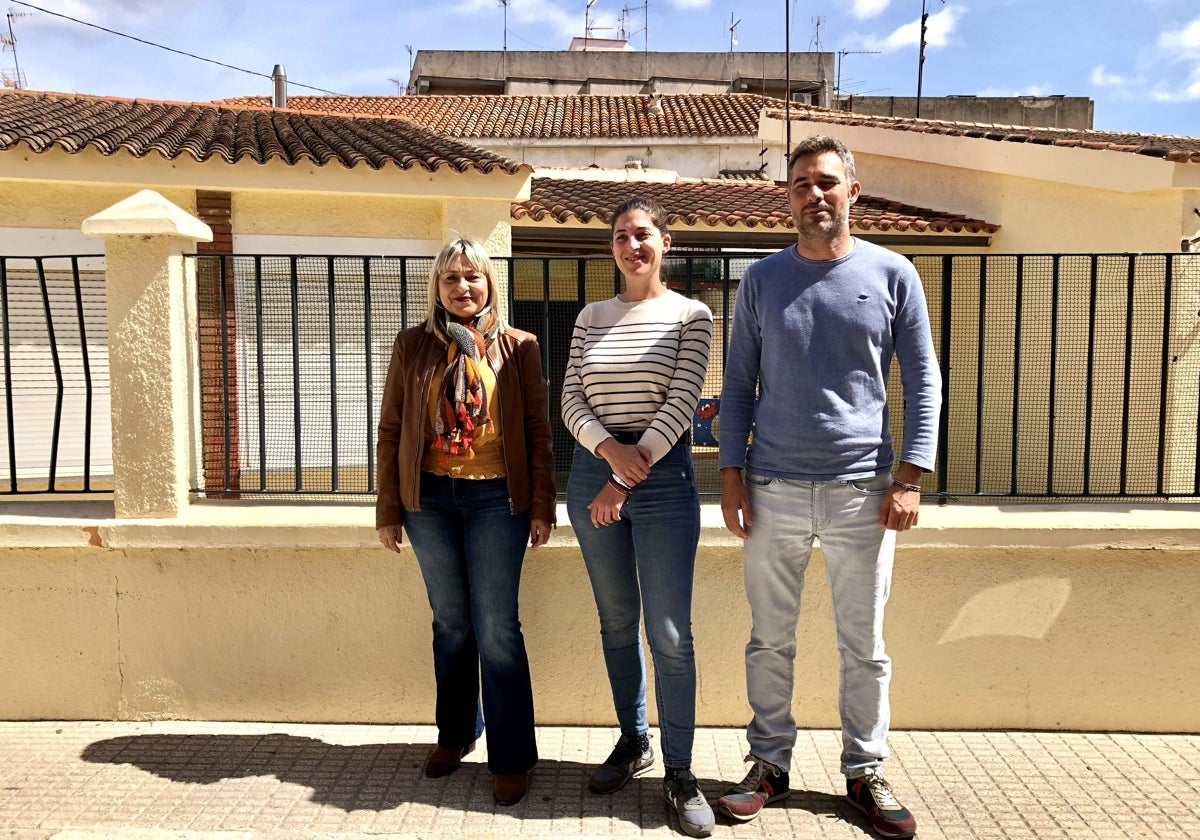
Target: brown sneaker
(764, 784)
(872, 795)
(445, 760)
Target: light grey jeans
(858, 554)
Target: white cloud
(939, 31)
(689, 4)
(864, 9)
(1102, 78)
(1182, 44)
(1189, 91)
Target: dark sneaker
(632, 756)
(764, 784)
(684, 797)
(872, 795)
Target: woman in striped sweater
(636, 367)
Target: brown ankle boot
(445, 760)
(510, 788)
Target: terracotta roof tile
(205, 131)
(723, 203)
(688, 115)
(542, 117)
(1177, 149)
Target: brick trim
(218, 367)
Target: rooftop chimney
(279, 77)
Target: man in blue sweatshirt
(815, 329)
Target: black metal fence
(54, 347)
(1066, 376)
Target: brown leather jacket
(522, 392)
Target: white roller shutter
(51, 313)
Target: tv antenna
(733, 25)
(588, 26)
(837, 85)
(624, 27)
(17, 80)
(505, 3)
(815, 44)
(396, 82)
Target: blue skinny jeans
(645, 560)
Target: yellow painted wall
(1035, 216)
(317, 623)
(27, 204)
(301, 214)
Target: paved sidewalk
(236, 781)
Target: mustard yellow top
(486, 459)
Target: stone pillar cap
(147, 213)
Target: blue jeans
(470, 550)
(645, 559)
(858, 555)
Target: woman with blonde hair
(466, 469)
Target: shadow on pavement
(383, 777)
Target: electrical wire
(169, 49)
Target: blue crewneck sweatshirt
(814, 341)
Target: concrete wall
(1039, 111)
(560, 72)
(1068, 618)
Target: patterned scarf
(462, 400)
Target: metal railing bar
(260, 374)
(13, 484)
(296, 430)
(333, 406)
(87, 377)
(1090, 369)
(1164, 368)
(223, 308)
(52, 483)
(1130, 286)
(1015, 443)
(1052, 408)
(981, 339)
(369, 362)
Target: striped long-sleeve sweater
(636, 367)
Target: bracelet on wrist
(904, 485)
(620, 488)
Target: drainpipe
(279, 77)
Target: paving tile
(196, 781)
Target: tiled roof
(540, 117)
(205, 131)
(724, 203)
(1173, 148)
(687, 115)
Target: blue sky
(1139, 60)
